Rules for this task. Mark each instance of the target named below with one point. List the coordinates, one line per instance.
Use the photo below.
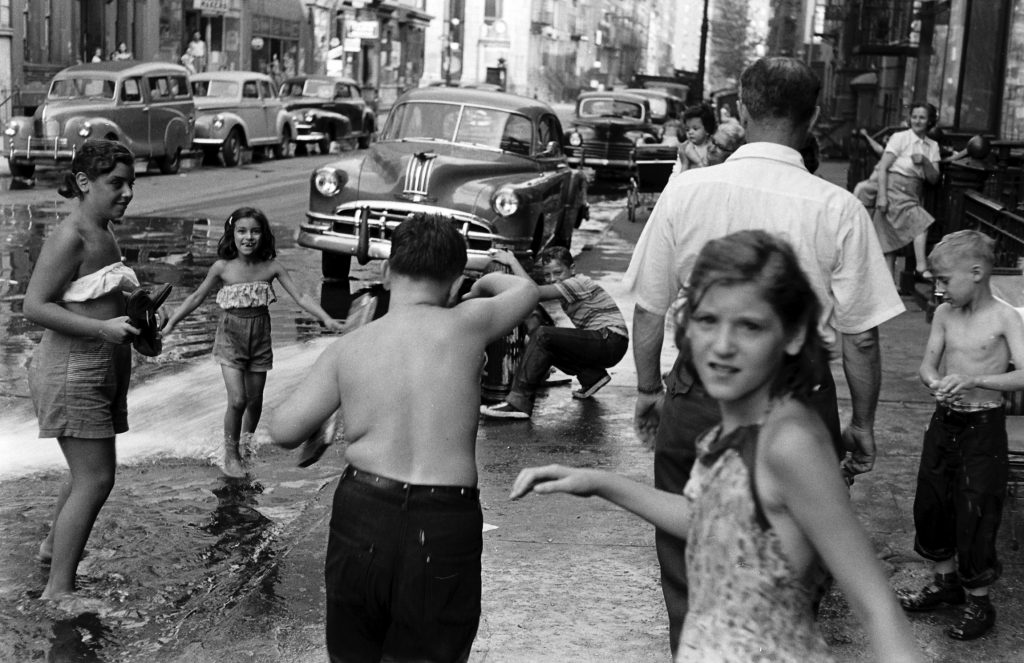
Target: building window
(492, 10)
(5, 13)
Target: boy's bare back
(409, 385)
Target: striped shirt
(589, 306)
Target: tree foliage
(732, 43)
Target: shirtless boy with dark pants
(403, 558)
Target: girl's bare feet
(233, 461)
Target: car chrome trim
(417, 173)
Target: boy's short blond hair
(965, 245)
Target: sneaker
(587, 392)
(935, 595)
(503, 411)
(977, 619)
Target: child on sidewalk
(964, 467)
(598, 341)
(403, 557)
(765, 506)
(246, 271)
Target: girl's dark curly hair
(226, 248)
(94, 158)
(763, 259)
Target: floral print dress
(746, 602)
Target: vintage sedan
(614, 134)
(147, 106)
(492, 163)
(236, 110)
(328, 108)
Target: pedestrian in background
(763, 185)
(79, 373)
(910, 159)
(245, 274)
(961, 483)
(597, 341)
(766, 505)
(196, 50)
(122, 53)
(403, 558)
(727, 139)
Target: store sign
(213, 6)
(353, 44)
(364, 30)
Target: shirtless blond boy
(403, 556)
(962, 477)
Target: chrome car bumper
(41, 149)
(304, 133)
(208, 141)
(363, 230)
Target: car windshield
(659, 105)
(609, 107)
(320, 89)
(455, 123)
(214, 89)
(81, 88)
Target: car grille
(383, 218)
(610, 151)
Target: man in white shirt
(762, 185)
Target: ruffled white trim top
(246, 295)
(117, 277)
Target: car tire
(365, 140)
(335, 266)
(23, 170)
(324, 145)
(232, 149)
(170, 164)
(283, 147)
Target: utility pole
(701, 62)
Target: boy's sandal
(141, 309)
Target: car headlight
(218, 121)
(11, 129)
(506, 202)
(86, 130)
(328, 181)
(575, 139)
(308, 117)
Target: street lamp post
(452, 24)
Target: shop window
(492, 10)
(983, 52)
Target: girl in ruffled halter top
(245, 273)
(765, 507)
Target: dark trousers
(402, 571)
(687, 413)
(961, 485)
(580, 352)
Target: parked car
(493, 163)
(328, 108)
(666, 111)
(613, 133)
(147, 106)
(239, 109)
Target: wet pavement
(195, 567)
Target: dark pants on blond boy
(961, 485)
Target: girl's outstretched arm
(664, 510)
(193, 301)
(305, 301)
(801, 472)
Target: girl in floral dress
(766, 510)
(246, 271)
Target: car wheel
(23, 170)
(335, 266)
(284, 145)
(169, 164)
(232, 149)
(324, 144)
(364, 141)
